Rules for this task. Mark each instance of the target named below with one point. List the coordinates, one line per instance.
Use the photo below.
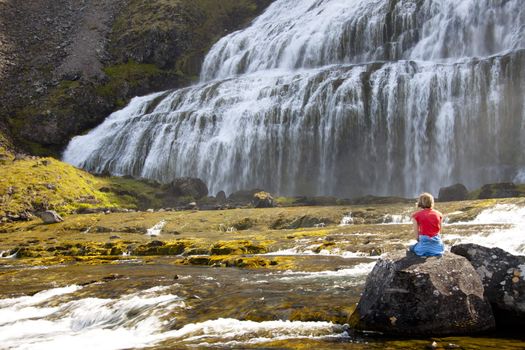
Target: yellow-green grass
(35, 184)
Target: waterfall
(337, 97)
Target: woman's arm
(416, 229)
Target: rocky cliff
(66, 64)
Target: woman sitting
(427, 228)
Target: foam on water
(156, 229)
(347, 220)
(133, 320)
(358, 271)
(511, 237)
(396, 219)
(228, 329)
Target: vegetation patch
(38, 184)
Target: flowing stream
(337, 97)
(159, 305)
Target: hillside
(67, 64)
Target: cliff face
(67, 64)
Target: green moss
(238, 247)
(37, 184)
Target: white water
(156, 229)
(132, 320)
(511, 237)
(337, 97)
(396, 219)
(358, 271)
(347, 220)
(44, 321)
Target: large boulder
(262, 200)
(243, 197)
(407, 295)
(188, 187)
(457, 192)
(503, 277)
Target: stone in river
(407, 295)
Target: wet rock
(503, 276)
(407, 295)
(50, 217)
(457, 192)
(262, 200)
(499, 190)
(188, 187)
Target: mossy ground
(199, 238)
(35, 184)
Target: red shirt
(428, 221)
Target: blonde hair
(426, 200)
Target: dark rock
(23, 216)
(50, 217)
(408, 295)
(503, 276)
(457, 192)
(188, 187)
(262, 200)
(499, 190)
(221, 197)
(243, 197)
(156, 244)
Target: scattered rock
(409, 295)
(457, 192)
(503, 276)
(262, 200)
(50, 217)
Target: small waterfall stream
(337, 97)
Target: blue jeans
(428, 246)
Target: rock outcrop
(503, 277)
(407, 295)
(457, 192)
(65, 65)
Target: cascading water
(338, 97)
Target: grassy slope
(36, 184)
